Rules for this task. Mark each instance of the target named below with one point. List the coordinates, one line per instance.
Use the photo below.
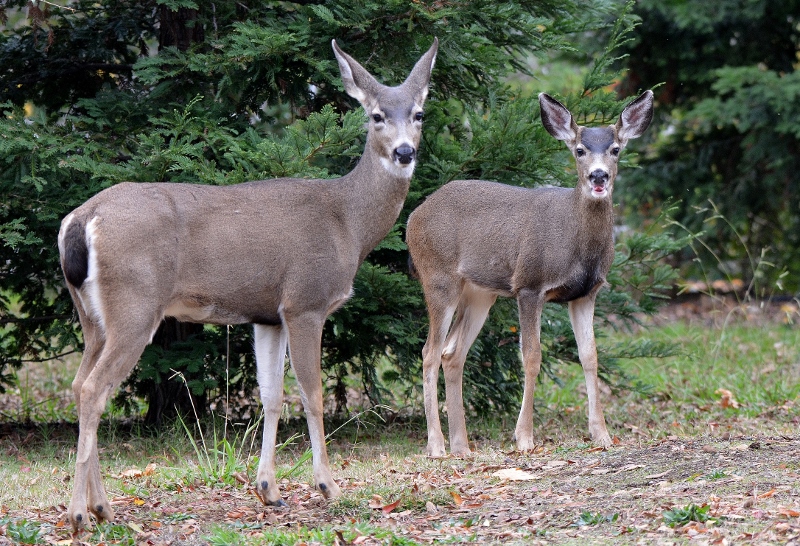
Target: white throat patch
(398, 170)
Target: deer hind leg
(94, 342)
(441, 297)
(530, 312)
(305, 339)
(270, 346)
(472, 312)
(581, 314)
(108, 359)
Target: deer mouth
(598, 189)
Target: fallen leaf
(150, 469)
(514, 474)
(661, 475)
(340, 540)
(131, 473)
(768, 494)
(726, 399)
(431, 508)
(376, 502)
(390, 507)
(629, 467)
(456, 498)
(138, 502)
(789, 512)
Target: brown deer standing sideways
(281, 254)
(472, 241)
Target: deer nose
(404, 154)
(598, 177)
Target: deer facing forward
(472, 241)
(280, 254)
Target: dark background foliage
(222, 92)
(725, 144)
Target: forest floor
(710, 456)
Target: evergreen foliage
(725, 143)
(254, 95)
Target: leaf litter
(509, 497)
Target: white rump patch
(61, 232)
(90, 293)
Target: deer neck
(594, 221)
(376, 197)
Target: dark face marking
(597, 139)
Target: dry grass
(718, 431)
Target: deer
(472, 241)
(280, 254)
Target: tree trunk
(180, 29)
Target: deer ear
(358, 83)
(420, 76)
(635, 118)
(557, 119)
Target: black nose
(404, 154)
(598, 176)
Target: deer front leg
(581, 314)
(530, 311)
(270, 346)
(305, 339)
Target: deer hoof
(269, 496)
(329, 490)
(604, 441)
(78, 520)
(524, 444)
(102, 511)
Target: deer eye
(377, 118)
(615, 150)
(580, 152)
(418, 116)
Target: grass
(705, 438)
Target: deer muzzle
(404, 154)
(598, 178)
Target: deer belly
(577, 287)
(189, 311)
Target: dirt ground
(720, 488)
(747, 487)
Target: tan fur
(472, 241)
(279, 253)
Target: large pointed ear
(557, 119)
(358, 83)
(635, 118)
(420, 76)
